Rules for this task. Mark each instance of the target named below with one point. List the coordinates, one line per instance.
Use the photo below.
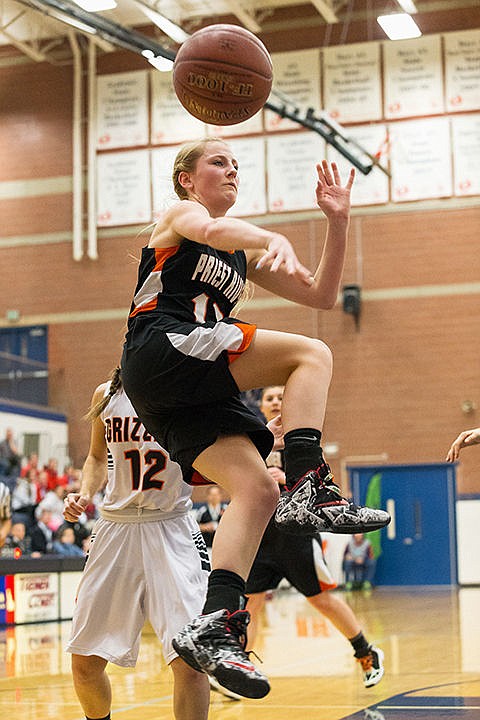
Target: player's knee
(267, 495)
(316, 353)
(87, 668)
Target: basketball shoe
(215, 685)
(314, 504)
(372, 666)
(215, 644)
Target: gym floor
(430, 636)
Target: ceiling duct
(88, 22)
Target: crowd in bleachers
(36, 494)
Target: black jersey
(189, 282)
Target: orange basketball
(222, 74)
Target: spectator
(5, 513)
(71, 478)
(41, 535)
(24, 499)
(359, 563)
(10, 460)
(42, 485)
(51, 468)
(31, 466)
(81, 530)
(18, 539)
(208, 516)
(64, 543)
(53, 501)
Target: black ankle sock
(302, 453)
(360, 645)
(107, 717)
(225, 590)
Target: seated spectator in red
(32, 465)
(42, 485)
(51, 469)
(64, 543)
(70, 478)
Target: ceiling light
(96, 5)
(408, 6)
(161, 63)
(399, 26)
(175, 32)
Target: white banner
(297, 75)
(462, 70)
(171, 123)
(123, 188)
(163, 194)
(371, 189)
(466, 154)
(413, 83)
(352, 82)
(292, 176)
(252, 196)
(122, 110)
(36, 597)
(420, 159)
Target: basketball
(222, 74)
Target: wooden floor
(431, 639)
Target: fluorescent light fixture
(408, 6)
(399, 26)
(160, 63)
(167, 26)
(96, 5)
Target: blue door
(419, 545)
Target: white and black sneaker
(314, 504)
(215, 685)
(372, 666)
(215, 644)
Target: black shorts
(186, 403)
(282, 555)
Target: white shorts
(138, 571)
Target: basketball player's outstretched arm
(334, 200)
(94, 471)
(465, 439)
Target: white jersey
(140, 472)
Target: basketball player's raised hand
(280, 254)
(332, 197)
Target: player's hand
(275, 426)
(74, 505)
(332, 197)
(280, 254)
(277, 474)
(465, 439)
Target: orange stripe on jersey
(161, 257)
(248, 332)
